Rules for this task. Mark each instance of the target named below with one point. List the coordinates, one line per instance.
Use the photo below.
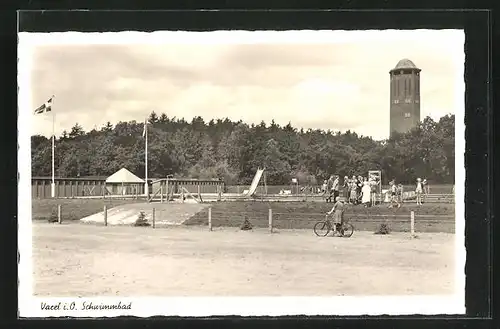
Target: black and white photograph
(241, 173)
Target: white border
(29, 306)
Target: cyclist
(338, 217)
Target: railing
(400, 222)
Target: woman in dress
(418, 191)
(366, 194)
(373, 185)
(359, 186)
(353, 194)
(345, 188)
(426, 189)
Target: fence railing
(401, 221)
(368, 220)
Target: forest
(233, 151)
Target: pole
(210, 218)
(412, 223)
(146, 187)
(59, 218)
(270, 220)
(154, 217)
(105, 212)
(53, 185)
(166, 191)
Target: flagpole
(53, 185)
(146, 186)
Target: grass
(303, 215)
(433, 217)
(73, 209)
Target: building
(405, 97)
(123, 182)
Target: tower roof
(405, 63)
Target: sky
(333, 80)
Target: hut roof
(124, 176)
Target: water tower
(405, 97)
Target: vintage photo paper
(241, 173)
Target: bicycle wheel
(347, 230)
(322, 228)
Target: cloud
(327, 85)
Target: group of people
(363, 190)
(421, 190)
(356, 190)
(362, 186)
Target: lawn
(72, 209)
(433, 217)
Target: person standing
(329, 189)
(345, 188)
(366, 194)
(373, 186)
(336, 187)
(359, 186)
(353, 197)
(394, 198)
(426, 189)
(418, 191)
(400, 193)
(324, 186)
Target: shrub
(246, 225)
(383, 229)
(141, 220)
(53, 218)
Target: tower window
(407, 115)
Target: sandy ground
(89, 260)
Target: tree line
(233, 151)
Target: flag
(47, 107)
(144, 132)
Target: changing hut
(123, 182)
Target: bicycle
(322, 228)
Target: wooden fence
(96, 187)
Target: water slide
(255, 182)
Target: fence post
(270, 220)
(154, 215)
(161, 193)
(412, 223)
(210, 218)
(182, 194)
(59, 218)
(105, 215)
